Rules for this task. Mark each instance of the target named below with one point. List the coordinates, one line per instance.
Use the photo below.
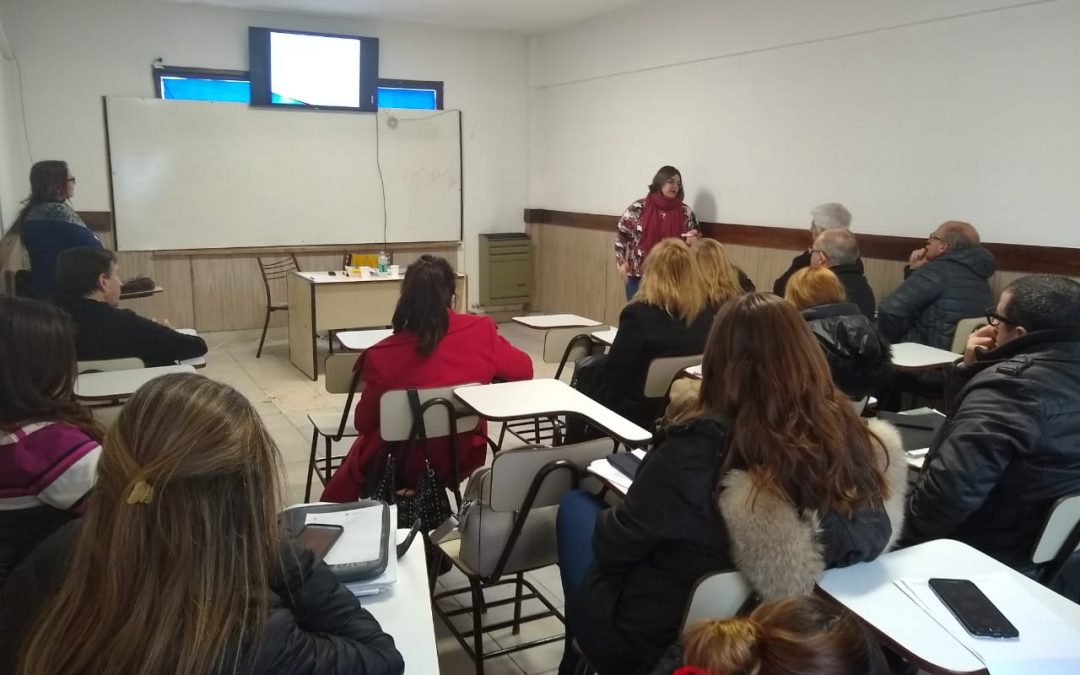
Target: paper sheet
(617, 479)
(1047, 644)
(360, 540)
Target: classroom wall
(73, 52)
(10, 192)
(909, 112)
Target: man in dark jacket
(946, 281)
(838, 250)
(88, 288)
(823, 217)
(1011, 446)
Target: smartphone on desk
(626, 462)
(320, 538)
(973, 609)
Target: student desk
(112, 385)
(545, 398)
(404, 611)
(606, 336)
(867, 589)
(549, 321)
(359, 340)
(321, 301)
(914, 356)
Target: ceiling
(528, 16)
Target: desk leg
(302, 344)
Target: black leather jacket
(859, 358)
(926, 307)
(1010, 449)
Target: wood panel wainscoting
(574, 271)
(222, 289)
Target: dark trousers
(573, 534)
(632, 284)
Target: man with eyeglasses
(1011, 445)
(947, 280)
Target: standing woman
(47, 223)
(657, 216)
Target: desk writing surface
(606, 336)
(546, 321)
(112, 384)
(359, 340)
(915, 356)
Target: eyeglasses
(818, 250)
(993, 318)
(934, 237)
(71, 180)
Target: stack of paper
(1047, 644)
(617, 479)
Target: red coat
(471, 351)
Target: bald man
(946, 280)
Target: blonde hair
(671, 279)
(813, 286)
(803, 634)
(172, 562)
(720, 277)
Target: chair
(720, 595)
(509, 529)
(662, 372)
(100, 366)
(1060, 538)
(964, 328)
(274, 270)
(106, 415)
(330, 426)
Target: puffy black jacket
(316, 626)
(672, 529)
(859, 358)
(1008, 451)
(857, 287)
(926, 307)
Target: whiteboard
(198, 174)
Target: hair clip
(141, 493)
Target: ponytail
(723, 647)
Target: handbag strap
(419, 430)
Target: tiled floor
(284, 397)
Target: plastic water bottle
(384, 264)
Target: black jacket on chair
(927, 306)
(859, 358)
(315, 625)
(646, 332)
(676, 526)
(1009, 449)
(106, 332)
(857, 287)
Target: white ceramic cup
(395, 270)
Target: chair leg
(502, 434)
(266, 325)
(517, 602)
(326, 459)
(311, 464)
(330, 339)
(478, 628)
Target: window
(202, 84)
(415, 94)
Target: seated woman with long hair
(48, 441)
(180, 565)
(860, 359)
(432, 346)
(771, 473)
(721, 279)
(801, 634)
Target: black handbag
(429, 502)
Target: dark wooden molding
(1008, 257)
(97, 221)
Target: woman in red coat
(432, 346)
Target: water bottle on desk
(384, 264)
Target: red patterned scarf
(662, 217)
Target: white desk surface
(867, 589)
(197, 362)
(359, 340)
(404, 611)
(606, 336)
(113, 384)
(339, 277)
(539, 398)
(693, 371)
(615, 479)
(914, 356)
(546, 321)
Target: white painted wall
(11, 152)
(74, 51)
(909, 112)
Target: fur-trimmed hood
(782, 552)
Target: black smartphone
(626, 462)
(973, 609)
(319, 538)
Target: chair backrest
(130, 363)
(859, 404)
(557, 339)
(396, 418)
(719, 595)
(663, 370)
(964, 328)
(1063, 519)
(339, 372)
(276, 270)
(106, 415)
(513, 471)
